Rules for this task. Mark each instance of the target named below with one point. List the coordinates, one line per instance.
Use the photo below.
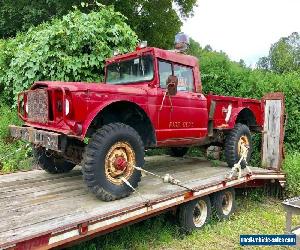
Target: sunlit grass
(253, 216)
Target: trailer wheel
(224, 203)
(51, 162)
(195, 214)
(109, 157)
(178, 151)
(238, 136)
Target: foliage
(155, 21)
(292, 168)
(21, 15)
(284, 55)
(69, 49)
(13, 154)
(263, 63)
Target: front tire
(51, 162)
(239, 135)
(109, 157)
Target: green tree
(242, 63)
(284, 55)
(21, 14)
(263, 63)
(155, 21)
(69, 49)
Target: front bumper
(49, 140)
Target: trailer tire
(178, 151)
(239, 134)
(51, 162)
(195, 214)
(224, 203)
(106, 160)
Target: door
(182, 117)
(273, 131)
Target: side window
(165, 70)
(185, 78)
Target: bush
(291, 167)
(14, 155)
(69, 49)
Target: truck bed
(57, 209)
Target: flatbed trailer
(39, 210)
(43, 211)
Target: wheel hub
(243, 141)
(118, 162)
(227, 202)
(200, 214)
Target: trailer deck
(39, 210)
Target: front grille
(38, 105)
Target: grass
(13, 154)
(291, 167)
(256, 214)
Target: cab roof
(160, 53)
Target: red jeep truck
(149, 98)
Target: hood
(94, 87)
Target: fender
(92, 114)
(234, 114)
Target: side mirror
(172, 83)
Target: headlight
(67, 106)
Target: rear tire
(195, 214)
(178, 151)
(224, 203)
(239, 134)
(51, 162)
(102, 172)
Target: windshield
(139, 69)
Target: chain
(135, 190)
(237, 166)
(167, 178)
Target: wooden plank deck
(35, 202)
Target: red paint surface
(186, 124)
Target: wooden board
(272, 148)
(35, 202)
